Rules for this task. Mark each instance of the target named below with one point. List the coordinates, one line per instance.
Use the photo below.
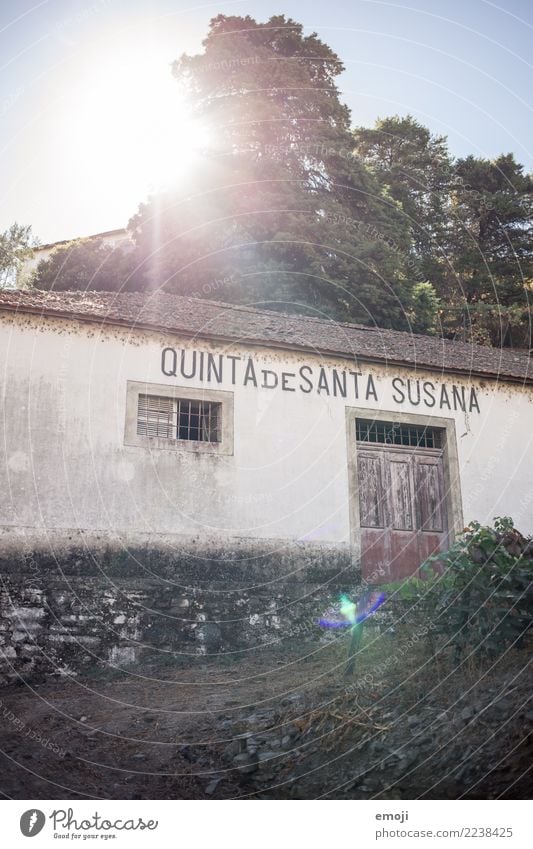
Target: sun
(131, 129)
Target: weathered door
(402, 498)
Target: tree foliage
(489, 245)
(282, 207)
(87, 264)
(16, 245)
(415, 168)
(424, 315)
(293, 209)
(471, 230)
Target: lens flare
(346, 613)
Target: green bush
(479, 593)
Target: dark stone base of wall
(67, 610)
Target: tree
(424, 315)
(282, 210)
(471, 232)
(87, 264)
(415, 168)
(292, 209)
(489, 245)
(16, 246)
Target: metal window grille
(178, 418)
(396, 433)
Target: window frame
(404, 430)
(225, 399)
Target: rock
(236, 747)
(466, 714)
(210, 634)
(286, 742)
(291, 700)
(138, 756)
(264, 776)
(291, 730)
(91, 735)
(408, 757)
(376, 747)
(251, 745)
(246, 762)
(500, 709)
(185, 752)
(211, 787)
(267, 755)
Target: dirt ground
(283, 724)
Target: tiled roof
(213, 320)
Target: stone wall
(62, 613)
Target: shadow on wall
(60, 615)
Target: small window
(178, 418)
(397, 433)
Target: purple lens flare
(346, 614)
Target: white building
(173, 423)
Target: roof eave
(258, 343)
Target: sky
(90, 119)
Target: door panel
(401, 492)
(375, 553)
(404, 554)
(371, 497)
(429, 544)
(428, 495)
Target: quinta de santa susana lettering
(206, 367)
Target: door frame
(452, 480)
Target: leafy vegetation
(16, 246)
(297, 210)
(87, 264)
(479, 593)
(470, 223)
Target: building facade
(258, 443)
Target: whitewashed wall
(65, 466)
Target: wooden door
(402, 504)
